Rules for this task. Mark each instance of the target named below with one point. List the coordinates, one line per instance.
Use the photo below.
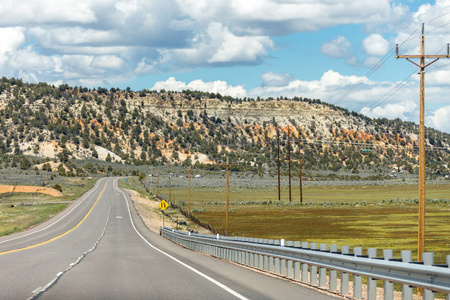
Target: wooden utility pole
(289, 160)
(189, 192)
(228, 197)
(278, 147)
(300, 166)
(170, 193)
(422, 66)
(151, 179)
(157, 186)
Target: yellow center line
(61, 235)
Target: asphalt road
(98, 248)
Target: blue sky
(305, 48)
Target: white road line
(224, 287)
(33, 232)
(39, 291)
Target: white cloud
(219, 46)
(337, 48)
(11, 39)
(155, 36)
(331, 86)
(46, 11)
(441, 119)
(279, 17)
(108, 62)
(276, 79)
(171, 84)
(436, 30)
(402, 110)
(375, 45)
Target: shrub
(57, 187)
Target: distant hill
(191, 127)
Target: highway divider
(319, 265)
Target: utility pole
(300, 166)
(170, 194)
(289, 160)
(157, 186)
(189, 193)
(151, 179)
(278, 144)
(422, 66)
(228, 196)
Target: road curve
(102, 250)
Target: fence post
(323, 271)
(371, 282)
(407, 291)
(388, 287)
(304, 265)
(428, 260)
(344, 276)
(357, 280)
(448, 266)
(277, 260)
(289, 262)
(313, 272)
(333, 273)
(296, 263)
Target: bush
(57, 187)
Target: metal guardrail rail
(297, 260)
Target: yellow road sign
(163, 205)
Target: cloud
(11, 39)
(440, 119)
(46, 11)
(171, 84)
(330, 88)
(375, 45)
(276, 79)
(165, 36)
(280, 17)
(337, 48)
(403, 110)
(218, 46)
(435, 23)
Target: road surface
(98, 248)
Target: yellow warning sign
(163, 205)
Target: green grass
(32, 209)
(133, 183)
(383, 217)
(19, 218)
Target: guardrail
(310, 263)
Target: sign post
(163, 205)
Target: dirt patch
(150, 214)
(29, 189)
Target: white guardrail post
(297, 260)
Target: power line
(394, 90)
(438, 17)
(399, 86)
(373, 69)
(366, 76)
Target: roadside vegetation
(359, 173)
(380, 216)
(20, 211)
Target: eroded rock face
(54, 122)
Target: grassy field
(31, 209)
(379, 216)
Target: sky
(339, 51)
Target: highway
(98, 248)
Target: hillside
(148, 127)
